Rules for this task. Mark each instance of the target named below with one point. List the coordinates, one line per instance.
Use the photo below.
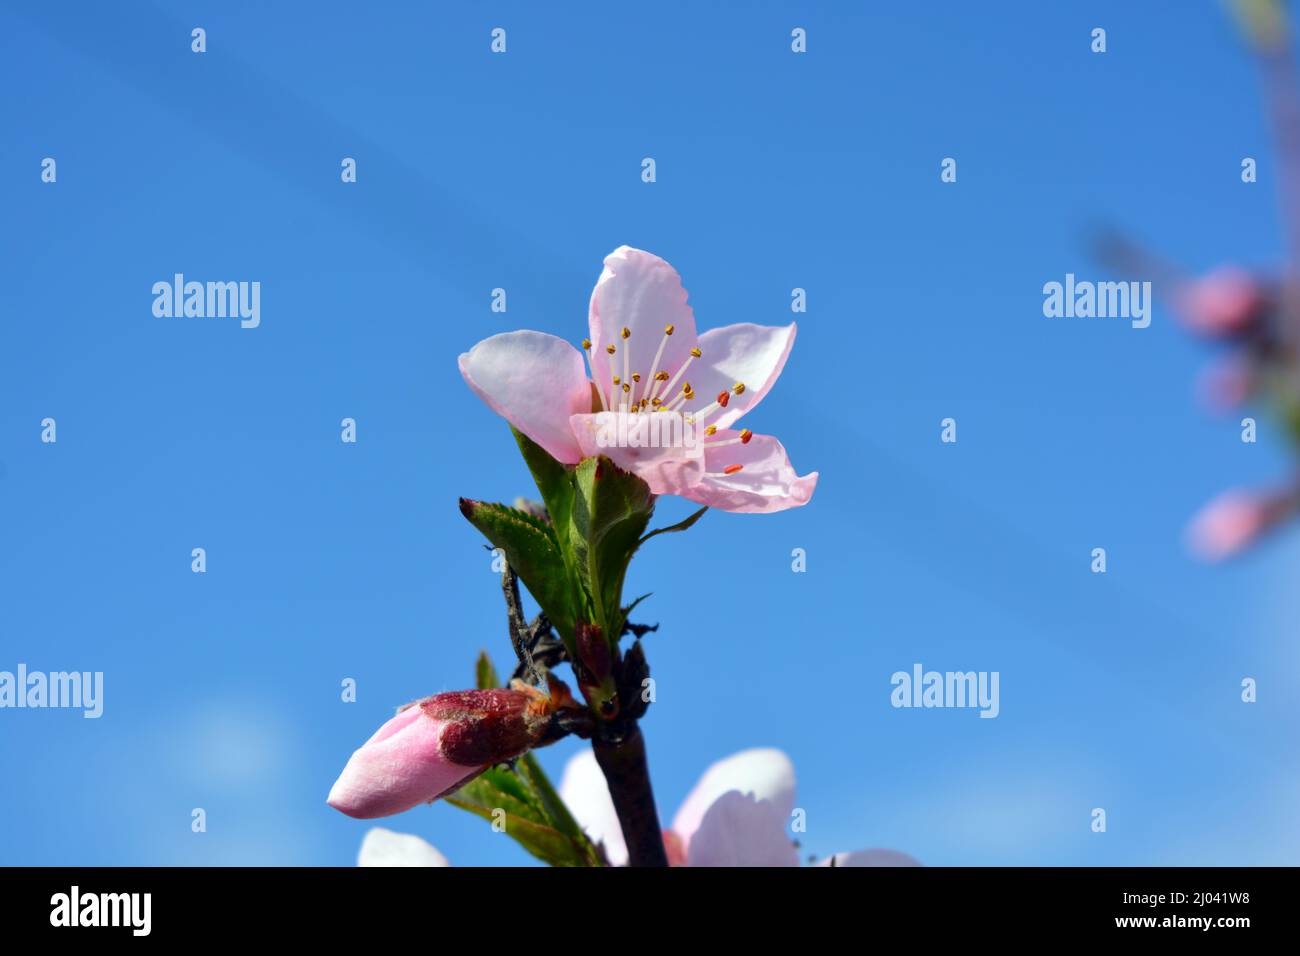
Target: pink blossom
(1222, 303)
(736, 815)
(1235, 520)
(439, 743)
(648, 363)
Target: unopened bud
(436, 744)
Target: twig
(521, 635)
(624, 765)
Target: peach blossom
(646, 360)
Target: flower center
(628, 384)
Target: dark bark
(624, 764)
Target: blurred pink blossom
(1236, 519)
(1222, 303)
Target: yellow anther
(696, 353)
(668, 330)
(711, 430)
(586, 345)
(610, 349)
(739, 388)
(626, 331)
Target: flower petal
(1224, 303)
(739, 830)
(766, 482)
(753, 355)
(871, 858)
(535, 382)
(657, 447)
(400, 766)
(586, 794)
(1237, 519)
(642, 293)
(763, 773)
(383, 847)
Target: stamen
(729, 470)
(720, 402)
(694, 354)
(626, 388)
(654, 366)
(687, 394)
(739, 388)
(600, 389)
(743, 439)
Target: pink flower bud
(1235, 520)
(1222, 303)
(441, 742)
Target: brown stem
(624, 766)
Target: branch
(521, 635)
(624, 765)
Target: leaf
(485, 675)
(499, 789)
(679, 526)
(611, 509)
(554, 480)
(561, 818)
(531, 548)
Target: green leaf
(558, 812)
(485, 675)
(628, 610)
(611, 509)
(531, 548)
(679, 526)
(499, 789)
(554, 480)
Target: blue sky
(521, 171)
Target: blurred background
(328, 561)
